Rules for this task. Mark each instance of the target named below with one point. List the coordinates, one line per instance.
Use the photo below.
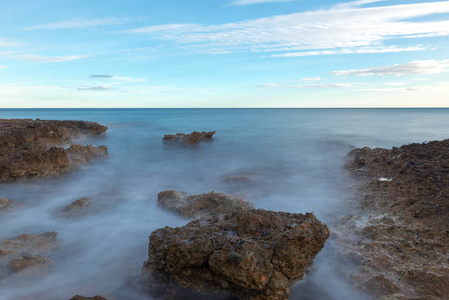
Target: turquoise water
(293, 158)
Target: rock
(203, 205)
(237, 179)
(37, 244)
(254, 254)
(189, 139)
(78, 297)
(77, 208)
(31, 149)
(30, 264)
(6, 204)
(402, 245)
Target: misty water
(292, 157)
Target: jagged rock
(77, 208)
(35, 148)
(189, 139)
(78, 297)
(30, 244)
(402, 242)
(202, 205)
(30, 264)
(254, 254)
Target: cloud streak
(77, 24)
(314, 86)
(93, 88)
(49, 59)
(338, 30)
(411, 68)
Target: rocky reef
(253, 254)
(189, 139)
(202, 205)
(401, 239)
(44, 148)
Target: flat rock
(37, 244)
(37, 148)
(202, 205)
(77, 208)
(189, 139)
(254, 254)
(30, 264)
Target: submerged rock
(189, 139)
(236, 179)
(202, 205)
(254, 254)
(37, 244)
(35, 148)
(6, 204)
(30, 264)
(77, 208)
(78, 297)
(402, 243)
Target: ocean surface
(292, 157)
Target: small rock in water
(253, 254)
(78, 297)
(6, 204)
(77, 208)
(202, 205)
(189, 139)
(30, 264)
(237, 179)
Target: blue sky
(224, 53)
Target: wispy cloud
(353, 4)
(249, 2)
(315, 86)
(331, 31)
(49, 59)
(411, 68)
(2, 67)
(101, 76)
(78, 24)
(311, 79)
(93, 88)
(8, 43)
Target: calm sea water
(293, 158)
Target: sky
(223, 53)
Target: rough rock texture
(203, 205)
(253, 254)
(402, 241)
(189, 139)
(34, 148)
(78, 297)
(77, 208)
(6, 204)
(25, 243)
(30, 264)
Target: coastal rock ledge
(44, 148)
(255, 254)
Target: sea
(293, 160)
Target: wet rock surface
(189, 139)
(6, 205)
(78, 208)
(202, 205)
(35, 148)
(401, 241)
(253, 254)
(26, 253)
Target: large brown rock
(202, 205)
(35, 148)
(189, 139)
(253, 254)
(402, 239)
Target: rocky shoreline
(400, 237)
(45, 148)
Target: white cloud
(349, 5)
(330, 31)
(248, 2)
(93, 88)
(315, 86)
(78, 24)
(311, 79)
(2, 67)
(49, 59)
(8, 43)
(411, 68)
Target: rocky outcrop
(402, 238)
(189, 139)
(202, 205)
(78, 297)
(6, 205)
(35, 148)
(253, 254)
(77, 208)
(25, 252)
